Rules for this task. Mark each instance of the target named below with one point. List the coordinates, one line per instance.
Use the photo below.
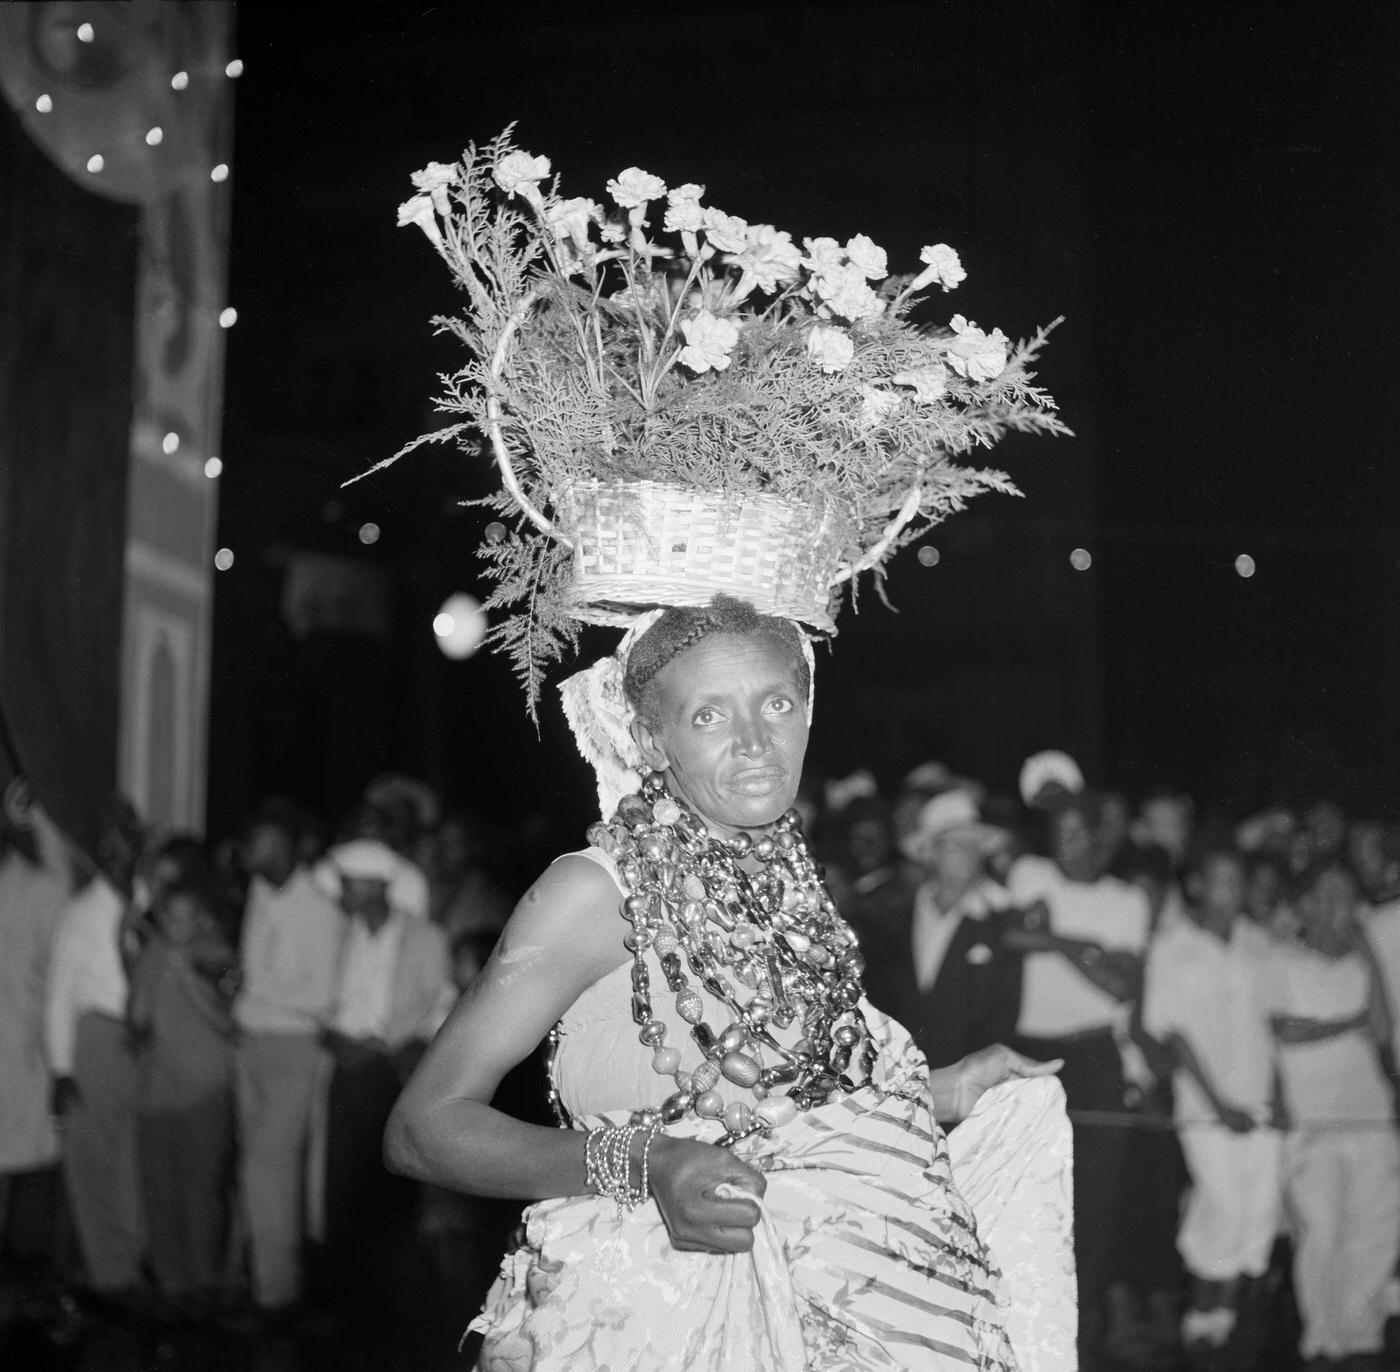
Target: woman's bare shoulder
(572, 907)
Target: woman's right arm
(564, 935)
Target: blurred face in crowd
(729, 727)
(955, 859)
(1366, 848)
(1329, 912)
(1263, 892)
(868, 845)
(1073, 844)
(1327, 823)
(1166, 821)
(180, 917)
(269, 852)
(1219, 886)
(365, 899)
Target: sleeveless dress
(868, 1256)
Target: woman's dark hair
(679, 629)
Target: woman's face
(730, 729)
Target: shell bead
(709, 1105)
(689, 1006)
(666, 811)
(737, 1116)
(741, 1069)
(776, 1111)
(665, 1060)
(734, 1038)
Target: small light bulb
(95, 163)
(928, 556)
(170, 444)
(443, 624)
(223, 559)
(228, 318)
(154, 136)
(369, 534)
(85, 33)
(495, 531)
(44, 104)
(213, 467)
(1081, 560)
(1244, 565)
(179, 81)
(234, 68)
(219, 173)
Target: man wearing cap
(1084, 936)
(943, 972)
(393, 992)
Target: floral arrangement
(658, 338)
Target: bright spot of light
(495, 531)
(928, 556)
(214, 467)
(234, 68)
(219, 173)
(95, 163)
(85, 33)
(228, 318)
(179, 81)
(170, 444)
(154, 136)
(223, 559)
(369, 534)
(1081, 560)
(44, 104)
(1244, 565)
(460, 626)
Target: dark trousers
(1093, 1081)
(371, 1214)
(186, 1165)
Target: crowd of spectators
(199, 1047)
(1219, 989)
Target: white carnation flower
(977, 355)
(823, 255)
(944, 268)
(634, 187)
(708, 342)
(518, 173)
(843, 292)
(868, 256)
(613, 231)
(725, 232)
(434, 179)
(683, 212)
(570, 220)
(769, 258)
(831, 349)
(876, 406)
(929, 383)
(419, 211)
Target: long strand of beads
(768, 945)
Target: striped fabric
(868, 1258)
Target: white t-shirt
(1338, 1078)
(1213, 993)
(368, 969)
(1057, 998)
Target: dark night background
(1207, 192)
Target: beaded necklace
(769, 945)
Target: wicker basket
(644, 543)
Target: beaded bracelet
(607, 1157)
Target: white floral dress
(868, 1257)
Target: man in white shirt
(94, 1072)
(393, 991)
(1084, 936)
(290, 955)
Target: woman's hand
(685, 1178)
(954, 1091)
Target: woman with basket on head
(753, 1172)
